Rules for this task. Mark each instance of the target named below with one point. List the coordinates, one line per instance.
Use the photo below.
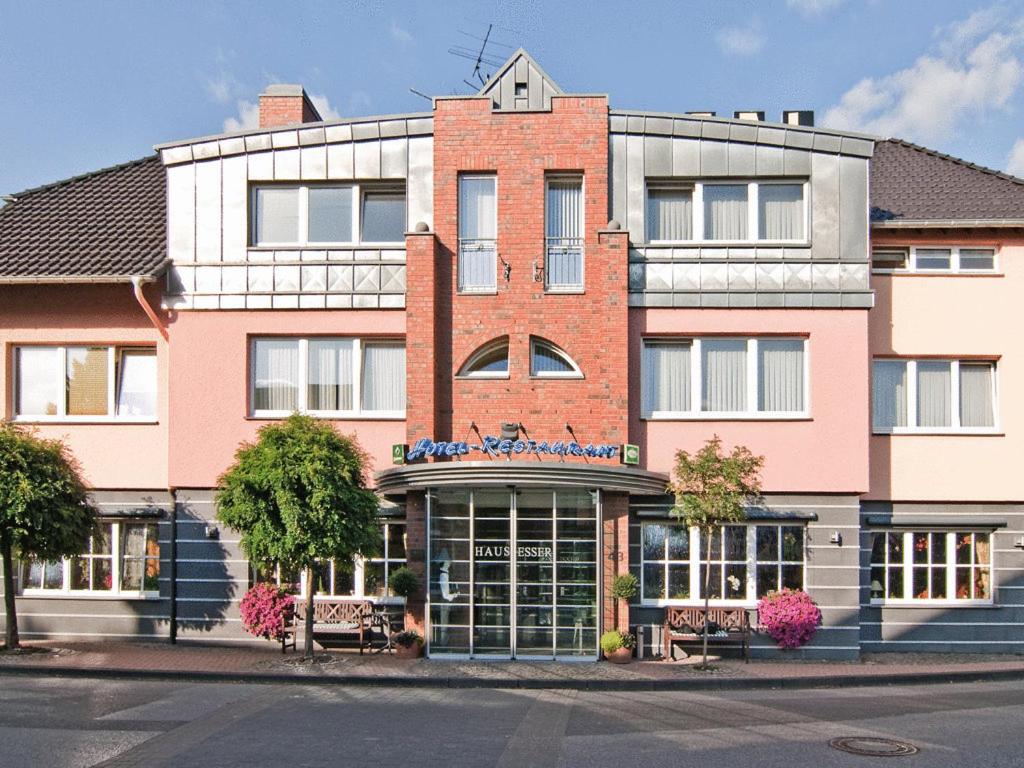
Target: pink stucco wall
(955, 316)
(826, 453)
(209, 383)
(111, 455)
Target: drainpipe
(137, 283)
(173, 557)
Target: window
(746, 562)
(933, 396)
(548, 361)
(729, 212)
(328, 377)
(85, 383)
(563, 260)
(122, 558)
(952, 259)
(364, 577)
(489, 362)
(929, 566)
(326, 214)
(723, 378)
(478, 227)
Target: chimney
(282, 104)
(701, 114)
(798, 117)
(748, 114)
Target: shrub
(789, 617)
(403, 582)
(408, 638)
(613, 639)
(625, 587)
(265, 609)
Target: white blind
(277, 215)
(780, 371)
(330, 375)
(724, 375)
(547, 360)
(669, 214)
(665, 377)
(136, 388)
(976, 395)
(477, 267)
(276, 386)
(889, 394)
(564, 232)
(40, 389)
(933, 394)
(781, 211)
(725, 211)
(383, 381)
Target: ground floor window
(922, 566)
(746, 562)
(121, 558)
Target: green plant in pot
(403, 582)
(624, 588)
(618, 646)
(408, 644)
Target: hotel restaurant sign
(495, 446)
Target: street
(72, 722)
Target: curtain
(669, 214)
(477, 232)
(383, 377)
(933, 394)
(725, 211)
(277, 215)
(889, 395)
(666, 377)
(564, 233)
(780, 373)
(724, 375)
(277, 375)
(781, 211)
(547, 360)
(133, 553)
(136, 387)
(383, 217)
(87, 381)
(330, 375)
(976, 395)
(39, 386)
(330, 215)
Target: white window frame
(302, 399)
(566, 288)
(358, 191)
(954, 260)
(696, 562)
(697, 382)
(479, 243)
(113, 382)
(753, 223)
(391, 564)
(954, 407)
(558, 352)
(907, 569)
(467, 371)
(115, 591)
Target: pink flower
(264, 609)
(790, 617)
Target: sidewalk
(267, 664)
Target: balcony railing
(563, 263)
(477, 266)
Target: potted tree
(618, 646)
(408, 644)
(404, 583)
(624, 588)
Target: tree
(297, 497)
(45, 510)
(711, 491)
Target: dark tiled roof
(913, 183)
(108, 224)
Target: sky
(91, 83)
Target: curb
(411, 681)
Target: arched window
(549, 361)
(488, 362)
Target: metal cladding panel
(420, 184)
(741, 160)
(534, 87)
(686, 157)
(507, 89)
(825, 206)
(181, 212)
(714, 158)
(313, 162)
(853, 209)
(635, 188)
(340, 163)
(261, 166)
(235, 194)
(796, 162)
(657, 156)
(394, 158)
(286, 165)
(367, 160)
(618, 178)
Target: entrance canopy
(608, 477)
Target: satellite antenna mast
(483, 60)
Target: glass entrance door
(513, 573)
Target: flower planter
(620, 656)
(408, 651)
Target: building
(523, 302)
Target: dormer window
(547, 361)
(488, 362)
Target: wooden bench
(728, 625)
(337, 617)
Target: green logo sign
(630, 454)
(398, 453)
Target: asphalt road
(54, 722)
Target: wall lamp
(1019, 543)
(836, 538)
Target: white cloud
(741, 41)
(323, 106)
(1015, 162)
(977, 67)
(248, 117)
(403, 36)
(813, 7)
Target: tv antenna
(484, 62)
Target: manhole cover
(871, 746)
